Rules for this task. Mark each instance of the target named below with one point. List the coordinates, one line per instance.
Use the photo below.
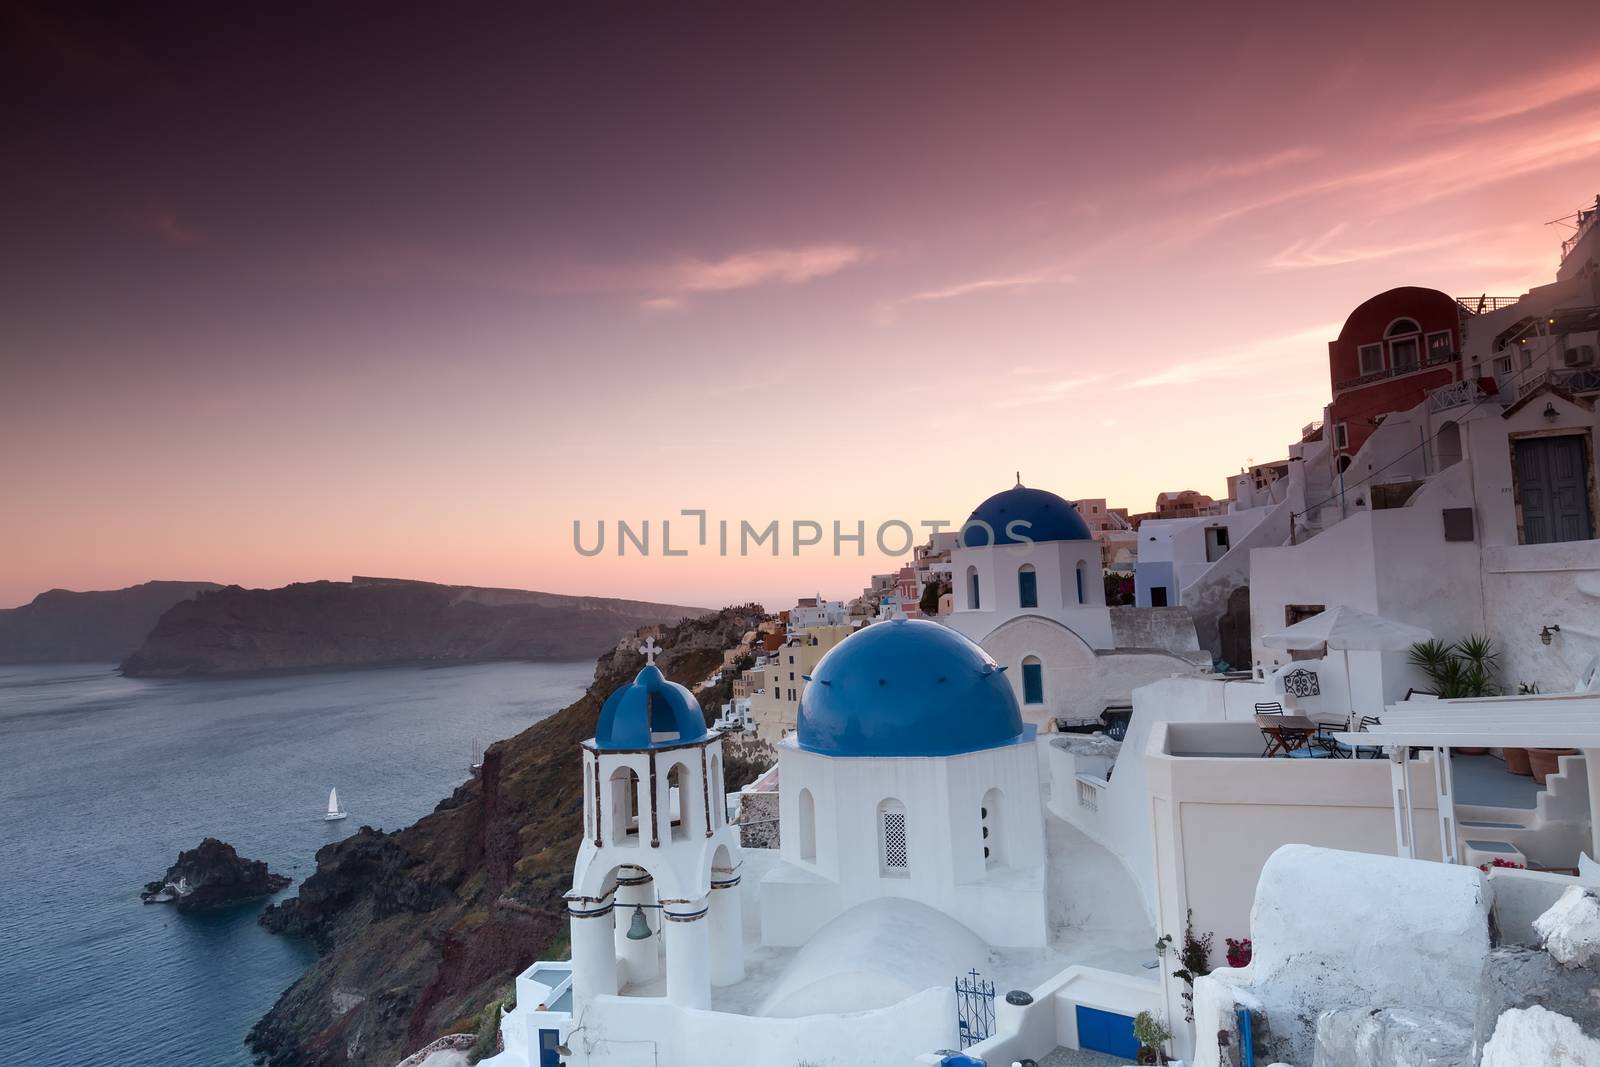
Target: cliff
(419, 929)
(373, 622)
(212, 875)
(99, 627)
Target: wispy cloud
(1519, 98)
(770, 266)
(1045, 393)
(1329, 250)
(886, 311)
(1197, 175)
(987, 285)
(1287, 354)
(746, 270)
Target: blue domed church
(911, 776)
(1029, 588)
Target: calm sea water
(104, 780)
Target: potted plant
(1543, 762)
(1464, 669)
(1152, 1037)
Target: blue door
(1105, 1031)
(548, 1056)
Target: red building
(1393, 349)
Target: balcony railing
(1454, 395)
(1573, 380)
(1477, 305)
(1436, 360)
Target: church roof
(651, 712)
(1039, 516)
(907, 687)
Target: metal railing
(1436, 360)
(1454, 395)
(1477, 305)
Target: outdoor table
(1286, 733)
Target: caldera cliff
(376, 622)
(421, 929)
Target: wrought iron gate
(974, 1008)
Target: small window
(1083, 582)
(1158, 596)
(972, 588)
(1439, 347)
(1371, 358)
(1401, 327)
(1341, 436)
(1027, 587)
(1032, 681)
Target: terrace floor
(1077, 1057)
(1484, 781)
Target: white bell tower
(656, 882)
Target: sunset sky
(305, 291)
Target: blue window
(1032, 681)
(1027, 587)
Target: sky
(303, 291)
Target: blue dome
(907, 687)
(650, 713)
(1048, 518)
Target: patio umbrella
(1347, 630)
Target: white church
(1029, 589)
(914, 850)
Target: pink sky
(302, 305)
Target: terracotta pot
(1470, 751)
(1546, 761)
(1517, 761)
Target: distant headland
(173, 629)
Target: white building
(1029, 587)
(815, 611)
(914, 851)
(911, 776)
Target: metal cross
(650, 648)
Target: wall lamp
(1546, 632)
(1550, 412)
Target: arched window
(1032, 680)
(993, 820)
(719, 794)
(973, 603)
(1401, 327)
(679, 802)
(590, 815)
(1083, 582)
(808, 826)
(894, 852)
(1027, 587)
(624, 828)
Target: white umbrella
(1348, 630)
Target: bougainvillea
(1239, 951)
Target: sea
(105, 779)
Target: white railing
(1454, 395)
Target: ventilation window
(894, 854)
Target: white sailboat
(335, 812)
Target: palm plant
(1463, 669)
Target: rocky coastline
(213, 875)
(418, 930)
